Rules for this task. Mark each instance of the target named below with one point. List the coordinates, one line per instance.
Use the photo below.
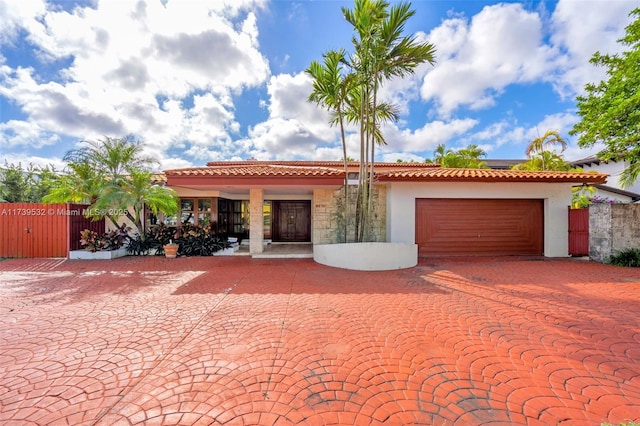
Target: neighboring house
(502, 164)
(613, 189)
(444, 211)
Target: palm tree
(330, 89)
(471, 156)
(80, 182)
(115, 157)
(135, 192)
(545, 160)
(380, 53)
(110, 174)
(538, 145)
(467, 158)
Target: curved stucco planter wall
(367, 256)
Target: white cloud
(502, 45)
(580, 29)
(164, 72)
(17, 133)
(427, 137)
(295, 127)
(25, 160)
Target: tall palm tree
(380, 53)
(330, 90)
(540, 144)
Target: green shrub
(112, 240)
(192, 241)
(628, 257)
(630, 423)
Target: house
(613, 189)
(443, 211)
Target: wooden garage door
(479, 227)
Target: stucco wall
(557, 196)
(612, 228)
(613, 169)
(328, 217)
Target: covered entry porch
(266, 204)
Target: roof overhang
(490, 175)
(296, 176)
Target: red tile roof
(256, 170)
(490, 175)
(385, 172)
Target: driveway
(241, 341)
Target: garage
(476, 227)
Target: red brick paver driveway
(240, 341)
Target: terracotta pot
(170, 250)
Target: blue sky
(201, 81)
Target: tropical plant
(465, 158)
(610, 110)
(629, 258)
(538, 148)
(582, 195)
(152, 241)
(79, 183)
(113, 157)
(545, 160)
(134, 192)
(192, 240)
(380, 53)
(112, 175)
(111, 240)
(330, 89)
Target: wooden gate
(579, 232)
(42, 230)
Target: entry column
(256, 231)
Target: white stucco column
(256, 232)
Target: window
(187, 206)
(266, 219)
(241, 217)
(196, 211)
(204, 212)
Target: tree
(610, 110)
(330, 89)
(112, 175)
(20, 185)
(465, 158)
(538, 147)
(546, 160)
(136, 191)
(80, 182)
(380, 53)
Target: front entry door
(292, 221)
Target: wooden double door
(291, 221)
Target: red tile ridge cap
(492, 175)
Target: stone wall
(328, 215)
(612, 228)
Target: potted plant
(170, 250)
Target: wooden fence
(43, 230)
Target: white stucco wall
(557, 197)
(613, 169)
